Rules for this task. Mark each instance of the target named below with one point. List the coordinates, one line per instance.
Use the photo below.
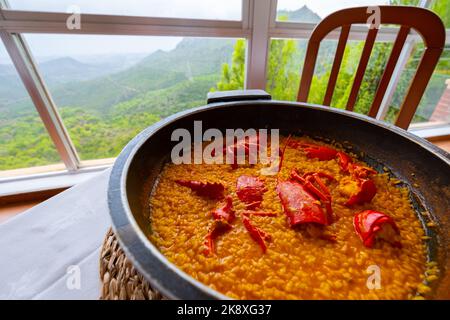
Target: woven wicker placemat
(121, 281)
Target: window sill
(431, 131)
(37, 182)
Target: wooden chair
(425, 22)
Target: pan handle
(237, 95)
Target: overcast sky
(76, 45)
(325, 7)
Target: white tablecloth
(38, 246)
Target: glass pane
(434, 108)
(442, 8)
(109, 88)
(24, 142)
(196, 9)
(285, 63)
(313, 11)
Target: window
(434, 107)
(442, 8)
(284, 73)
(24, 142)
(109, 88)
(196, 9)
(313, 11)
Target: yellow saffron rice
(296, 265)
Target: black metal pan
(411, 159)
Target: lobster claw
(256, 233)
(320, 152)
(218, 228)
(373, 225)
(361, 171)
(225, 212)
(212, 190)
(367, 190)
(223, 216)
(344, 161)
(315, 151)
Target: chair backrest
(426, 23)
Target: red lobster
(212, 190)
(314, 185)
(250, 190)
(242, 146)
(366, 189)
(223, 216)
(256, 233)
(302, 199)
(372, 225)
(315, 151)
(250, 147)
(302, 207)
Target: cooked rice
(295, 265)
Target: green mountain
(190, 59)
(58, 73)
(103, 113)
(304, 14)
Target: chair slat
(388, 70)
(308, 71)
(417, 87)
(365, 56)
(336, 64)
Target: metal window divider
(259, 21)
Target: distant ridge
(304, 14)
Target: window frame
(258, 26)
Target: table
(51, 251)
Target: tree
(232, 77)
(282, 70)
